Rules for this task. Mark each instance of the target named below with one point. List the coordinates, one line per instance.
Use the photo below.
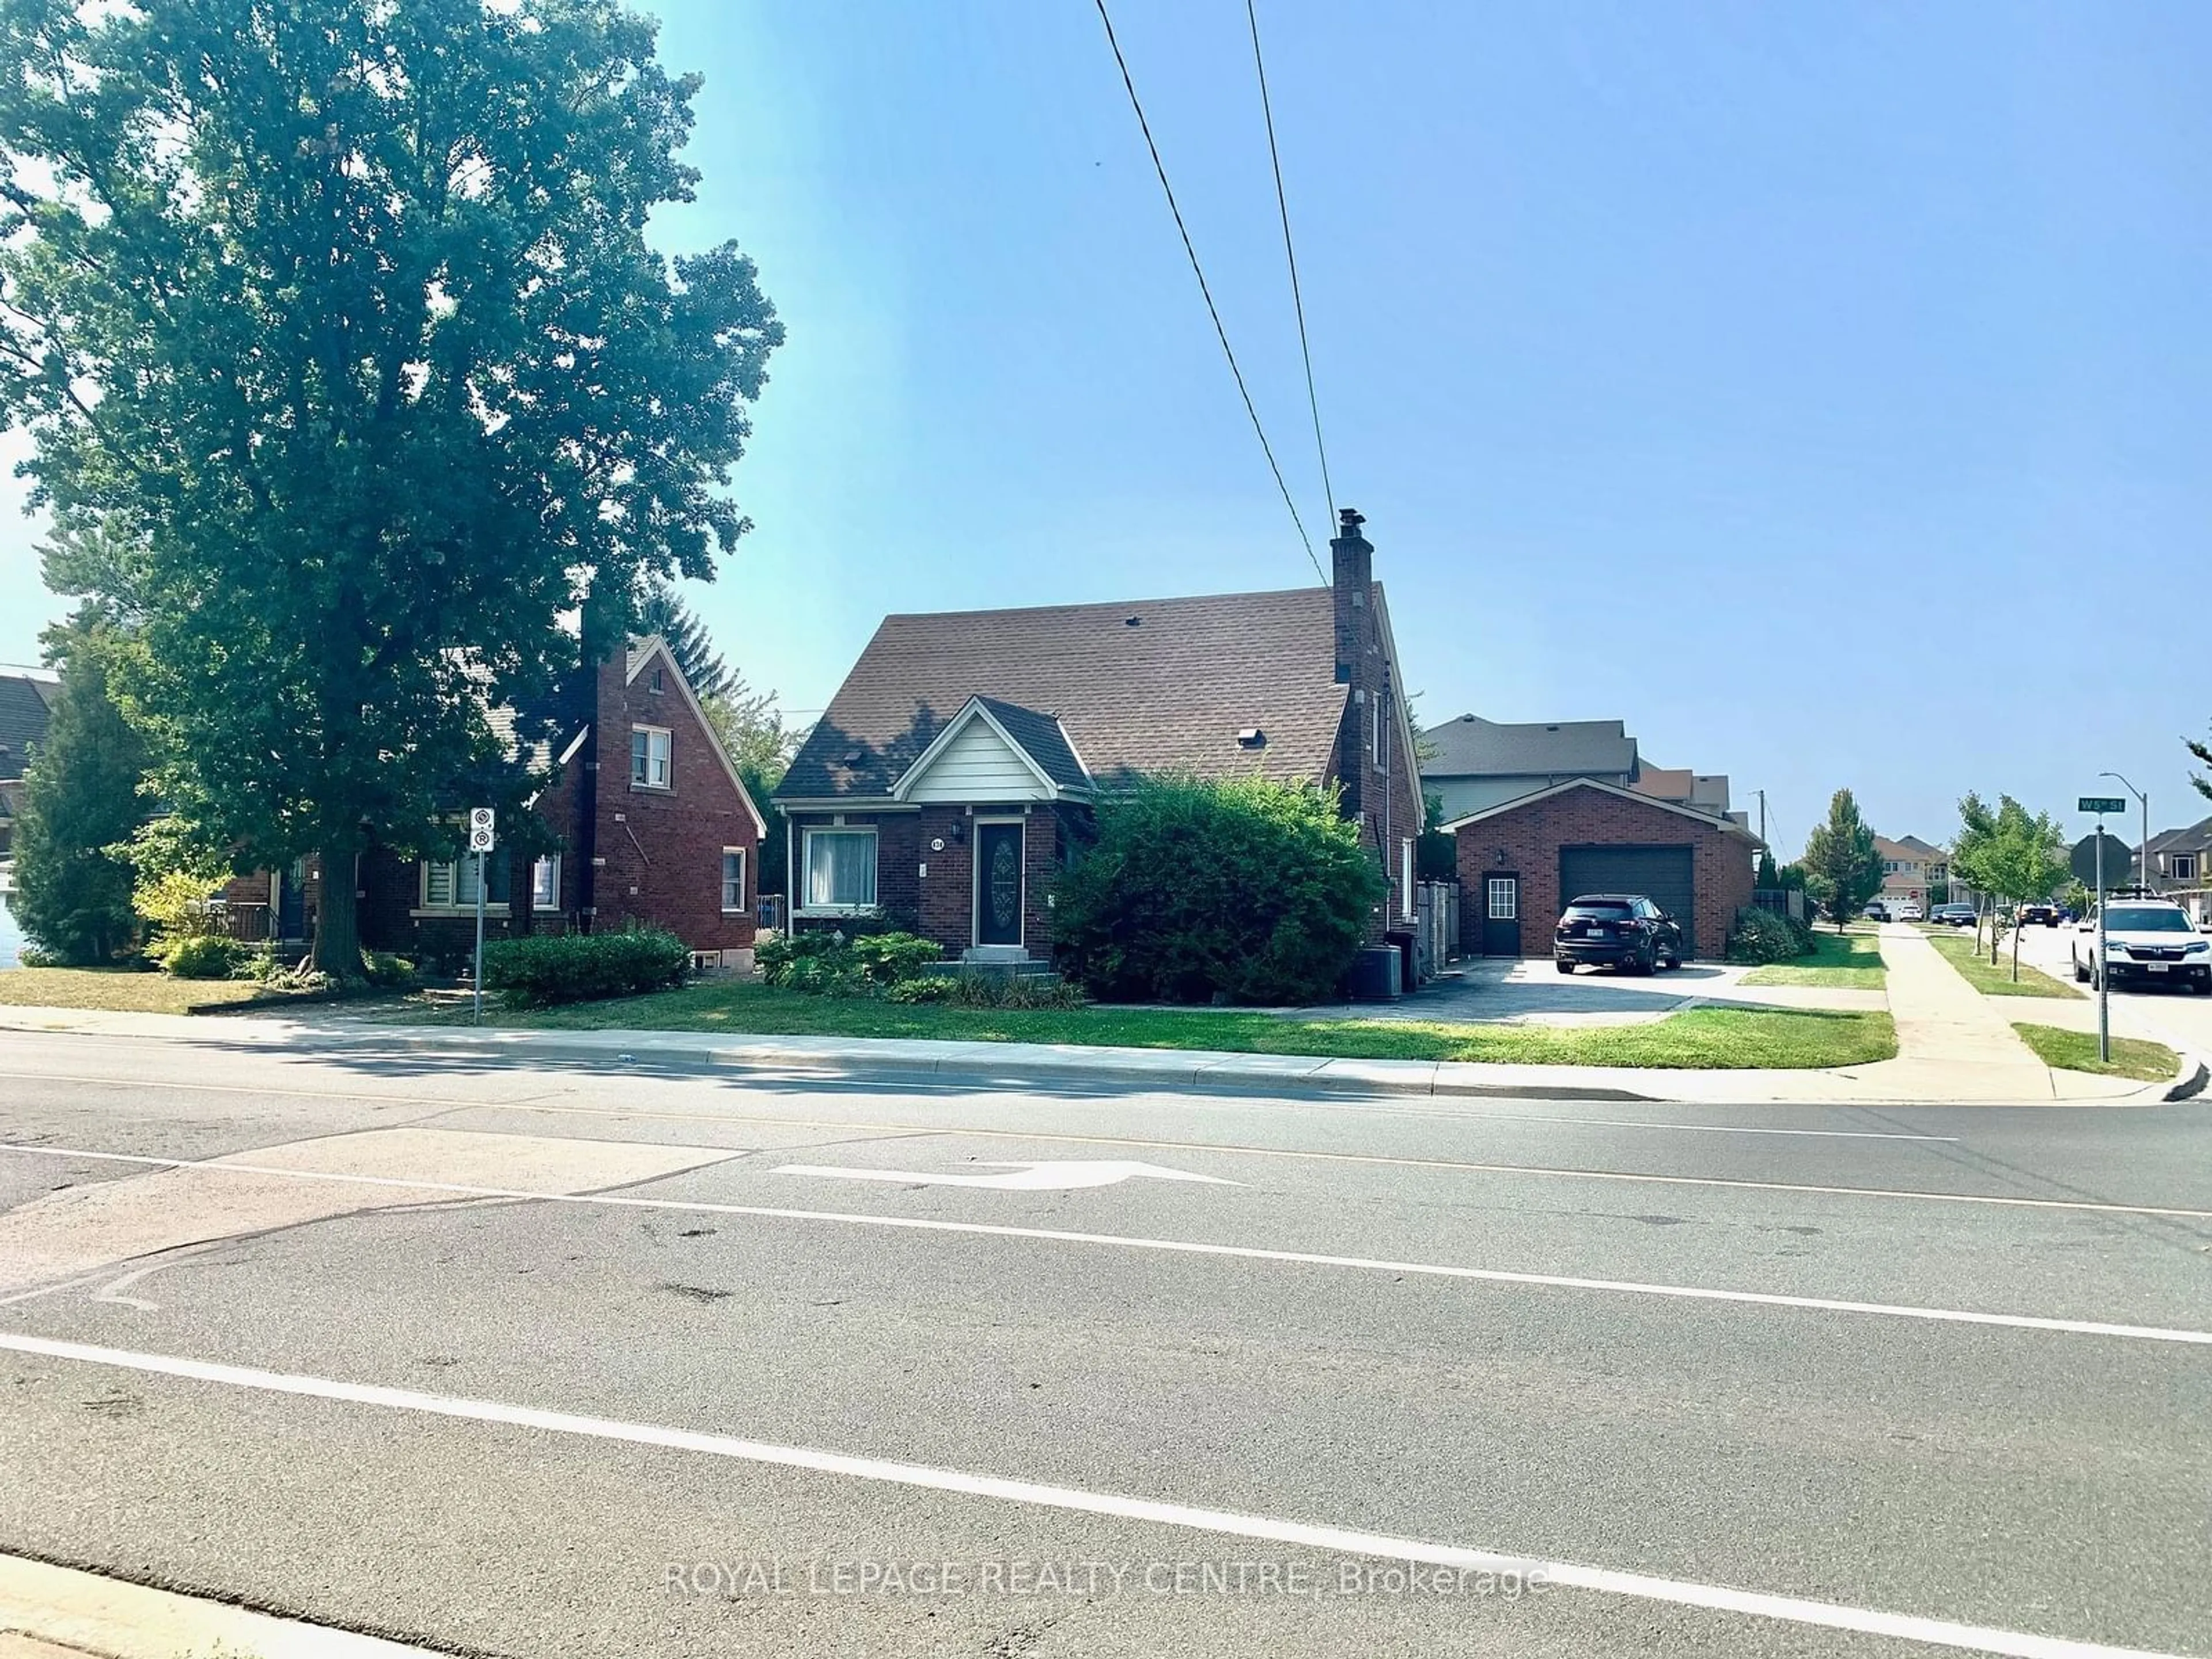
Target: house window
(1405, 877)
(841, 869)
(453, 886)
(733, 880)
(655, 684)
(649, 753)
(1505, 898)
(2184, 866)
(545, 884)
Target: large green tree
(81, 797)
(342, 320)
(663, 612)
(1843, 865)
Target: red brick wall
(663, 847)
(940, 905)
(1530, 838)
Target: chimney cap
(1348, 519)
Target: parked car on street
(1626, 931)
(2042, 916)
(2147, 942)
(1953, 916)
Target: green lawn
(1959, 950)
(1839, 961)
(1716, 1038)
(129, 990)
(2076, 1051)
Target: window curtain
(841, 868)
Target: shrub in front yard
(1206, 890)
(830, 964)
(543, 969)
(1761, 937)
(206, 956)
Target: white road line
(1189, 1247)
(2000, 1201)
(1367, 1109)
(1337, 1539)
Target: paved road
(573, 1363)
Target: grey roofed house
(1474, 763)
(23, 720)
(1149, 685)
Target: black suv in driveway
(1626, 930)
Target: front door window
(998, 883)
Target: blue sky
(1827, 390)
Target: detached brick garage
(1522, 861)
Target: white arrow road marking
(1020, 1178)
(1720, 1598)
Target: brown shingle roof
(1167, 692)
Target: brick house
(1522, 861)
(642, 819)
(25, 714)
(956, 769)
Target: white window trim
(651, 732)
(554, 907)
(805, 864)
(1490, 888)
(1405, 877)
(740, 908)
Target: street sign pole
(478, 982)
(483, 838)
(2098, 806)
(2104, 970)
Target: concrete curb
(84, 1614)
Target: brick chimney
(1352, 559)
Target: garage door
(1661, 874)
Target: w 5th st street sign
(2102, 805)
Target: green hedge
(205, 955)
(1764, 936)
(1206, 890)
(830, 964)
(549, 968)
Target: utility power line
(1290, 257)
(1206, 292)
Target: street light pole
(2142, 863)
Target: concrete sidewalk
(58, 1613)
(1926, 1081)
(1952, 1042)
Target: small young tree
(2024, 858)
(80, 797)
(1843, 867)
(1200, 890)
(1978, 829)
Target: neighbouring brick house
(644, 819)
(1522, 861)
(956, 769)
(24, 716)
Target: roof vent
(1132, 621)
(1551, 728)
(1251, 738)
(852, 757)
